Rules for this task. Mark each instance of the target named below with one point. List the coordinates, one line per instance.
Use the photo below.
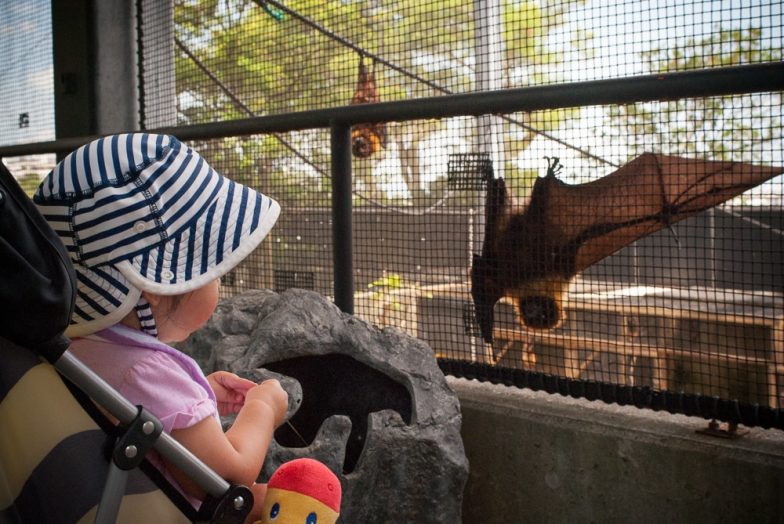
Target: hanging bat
(367, 139)
(533, 250)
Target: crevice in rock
(337, 384)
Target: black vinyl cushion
(37, 281)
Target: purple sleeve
(159, 383)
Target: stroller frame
(31, 252)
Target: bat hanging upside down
(367, 139)
(533, 250)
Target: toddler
(151, 228)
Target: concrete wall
(543, 458)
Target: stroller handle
(107, 397)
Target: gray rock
(371, 404)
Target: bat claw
(487, 335)
(553, 165)
(674, 235)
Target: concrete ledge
(539, 458)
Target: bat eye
(539, 311)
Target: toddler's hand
(230, 391)
(271, 393)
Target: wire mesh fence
(279, 57)
(27, 86)
(693, 308)
(684, 315)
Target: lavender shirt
(149, 373)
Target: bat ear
(485, 296)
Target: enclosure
(385, 204)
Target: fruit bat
(532, 250)
(367, 139)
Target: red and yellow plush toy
(302, 491)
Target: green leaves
(725, 47)
(271, 65)
(720, 128)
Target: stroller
(61, 459)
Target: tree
(29, 183)
(721, 128)
(279, 64)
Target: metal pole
(489, 56)
(113, 492)
(107, 397)
(342, 255)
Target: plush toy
(302, 491)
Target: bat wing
(653, 191)
(360, 95)
(486, 285)
(367, 90)
(380, 130)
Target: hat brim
(232, 226)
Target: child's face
(178, 317)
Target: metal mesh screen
(268, 57)
(27, 85)
(298, 252)
(693, 310)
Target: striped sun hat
(141, 212)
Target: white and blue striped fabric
(142, 212)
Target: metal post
(113, 492)
(488, 53)
(489, 56)
(119, 407)
(116, 88)
(156, 56)
(342, 255)
(73, 58)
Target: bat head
(539, 311)
(540, 304)
(362, 144)
(361, 147)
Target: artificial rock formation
(371, 404)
